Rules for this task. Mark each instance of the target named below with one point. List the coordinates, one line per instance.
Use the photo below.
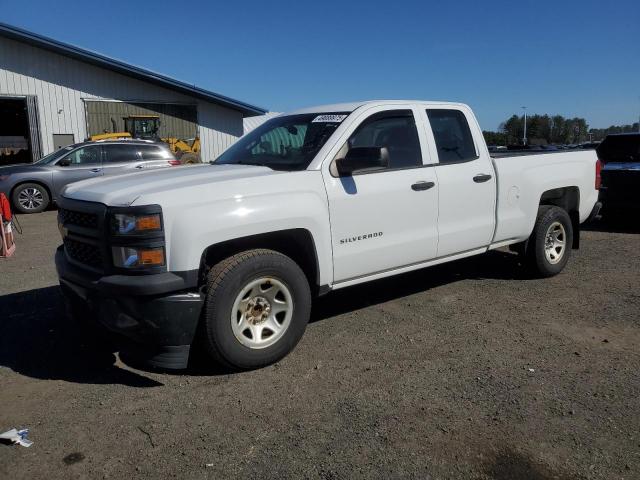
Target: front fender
(293, 201)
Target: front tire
(30, 198)
(257, 308)
(549, 246)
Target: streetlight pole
(524, 139)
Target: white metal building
(53, 94)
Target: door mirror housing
(64, 162)
(363, 159)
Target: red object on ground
(7, 245)
(5, 208)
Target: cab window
(452, 135)
(394, 130)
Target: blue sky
(575, 58)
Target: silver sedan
(32, 187)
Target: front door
(82, 163)
(383, 219)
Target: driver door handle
(422, 185)
(96, 170)
(139, 167)
(481, 177)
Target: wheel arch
(37, 182)
(297, 244)
(567, 198)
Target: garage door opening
(14, 131)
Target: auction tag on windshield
(329, 118)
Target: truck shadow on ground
(509, 464)
(37, 340)
(496, 265)
(614, 224)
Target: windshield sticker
(329, 118)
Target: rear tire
(190, 159)
(549, 246)
(30, 198)
(257, 308)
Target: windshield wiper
(242, 162)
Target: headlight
(131, 224)
(136, 238)
(136, 257)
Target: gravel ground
(466, 370)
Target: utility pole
(524, 139)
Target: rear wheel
(549, 246)
(257, 308)
(190, 158)
(30, 198)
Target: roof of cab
(352, 106)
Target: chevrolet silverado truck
(229, 255)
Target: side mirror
(363, 159)
(65, 162)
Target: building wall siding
(62, 84)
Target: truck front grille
(83, 233)
(84, 253)
(80, 219)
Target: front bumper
(158, 314)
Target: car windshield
(285, 143)
(53, 157)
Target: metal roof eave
(112, 64)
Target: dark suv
(620, 191)
(32, 187)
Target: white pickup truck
(231, 254)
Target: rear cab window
(454, 141)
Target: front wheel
(30, 198)
(549, 246)
(257, 308)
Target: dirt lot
(467, 370)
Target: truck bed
(522, 181)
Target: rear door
(467, 184)
(383, 219)
(82, 163)
(121, 158)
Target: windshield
(284, 143)
(53, 157)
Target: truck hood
(123, 190)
